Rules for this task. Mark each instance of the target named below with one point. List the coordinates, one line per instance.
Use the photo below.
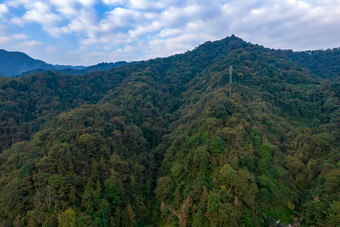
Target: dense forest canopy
(164, 143)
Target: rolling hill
(17, 64)
(169, 142)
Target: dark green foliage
(163, 142)
(73, 70)
(323, 63)
(217, 145)
(27, 104)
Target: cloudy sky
(85, 32)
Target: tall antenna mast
(230, 78)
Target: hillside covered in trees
(165, 143)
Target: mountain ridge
(13, 63)
(76, 71)
(316, 61)
(18, 64)
(164, 142)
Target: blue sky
(86, 32)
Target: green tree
(67, 218)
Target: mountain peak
(13, 63)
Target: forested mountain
(324, 63)
(15, 63)
(169, 142)
(104, 66)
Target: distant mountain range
(74, 70)
(17, 64)
(323, 63)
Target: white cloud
(41, 13)
(114, 2)
(288, 24)
(119, 18)
(51, 49)
(17, 3)
(107, 41)
(13, 37)
(27, 44)
(146, 5)
(166, 32)
(67, 8)
(17, 21)
(19, 42)
(19, 36)
(87, 3)
(56, 16)
(3, 9)
(4, 40)
(141, 30)
(136, 29)
(83, 23)
(37, 12)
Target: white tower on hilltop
(230, 78)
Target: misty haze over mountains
(16, 64)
